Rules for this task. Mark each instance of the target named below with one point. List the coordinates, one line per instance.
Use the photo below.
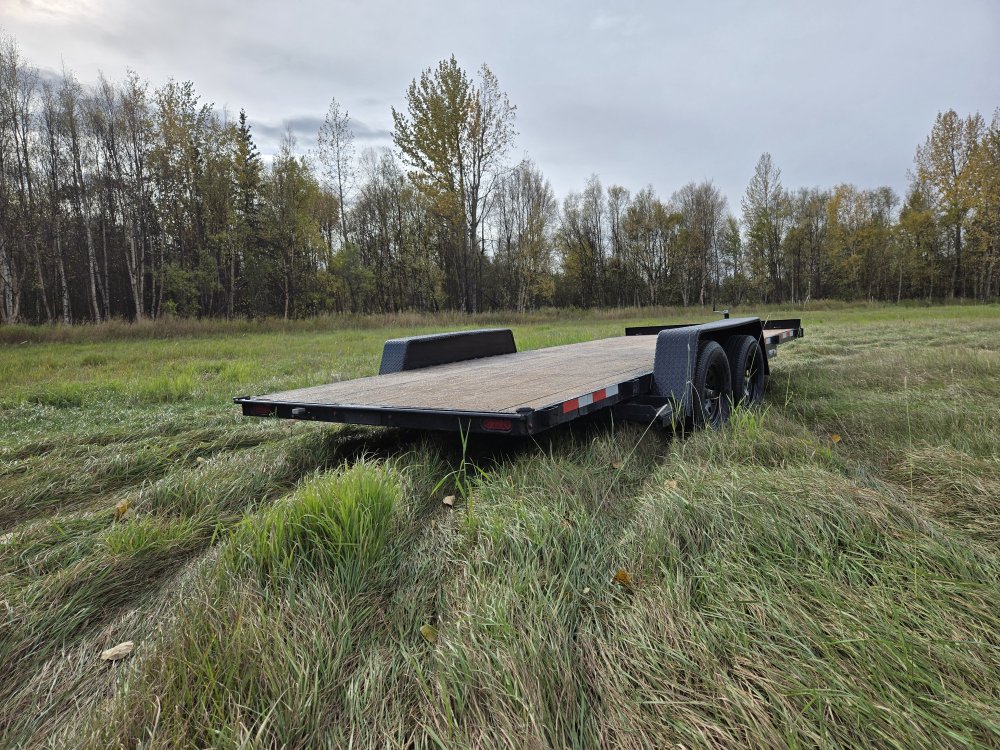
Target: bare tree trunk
(231, 301)
(153, 302)
(106, 284)
(8, 312)
(67, 313)
(136, 276)
(84, 213)
(41, 284)
(286, 288)
(92, 273)
(989, 278)
(956, 269)
(158, 294)
(340, 197)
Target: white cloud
(67, 10)
(602, 22)
(615, 23)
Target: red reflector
(600, 395)
(569, 406)
(259, 410)
(498, 425)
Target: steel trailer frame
(662, 394)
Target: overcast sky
(658, 93)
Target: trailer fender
(674, 363)
(676, 355)
(442, 348)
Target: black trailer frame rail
(523, 422)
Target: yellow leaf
(121, 509)
(118, 652)
(429, 632)
(449, 500)
(835, 437)
(616, 465)
(622, 578)
(670, 484)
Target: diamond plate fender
(673, 365)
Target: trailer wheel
(746, 359)
(712, 387)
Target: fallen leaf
(586, 590)
(429, 632)
(449, 500)
(671, 484)
(622, 578)
(835, 437)
(201, 460)
(121, 509)
(118, 652)
(616, 465)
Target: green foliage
(455, 134)
(180, 291)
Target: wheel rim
(750, 383)
(714, 392)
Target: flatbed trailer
(477, 381)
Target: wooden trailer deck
(501, 384)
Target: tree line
(123, 200)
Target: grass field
(823, 572)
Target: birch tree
(765, 217)
(335, 145)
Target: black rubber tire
(712, 388)
(746, 361)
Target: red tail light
(498, 425)
(259, 410)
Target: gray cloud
(298, 126)
(643, 92)
(306, 128)
(49, 76)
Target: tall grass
(175, 327)
(333, 521)
(295, 585)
